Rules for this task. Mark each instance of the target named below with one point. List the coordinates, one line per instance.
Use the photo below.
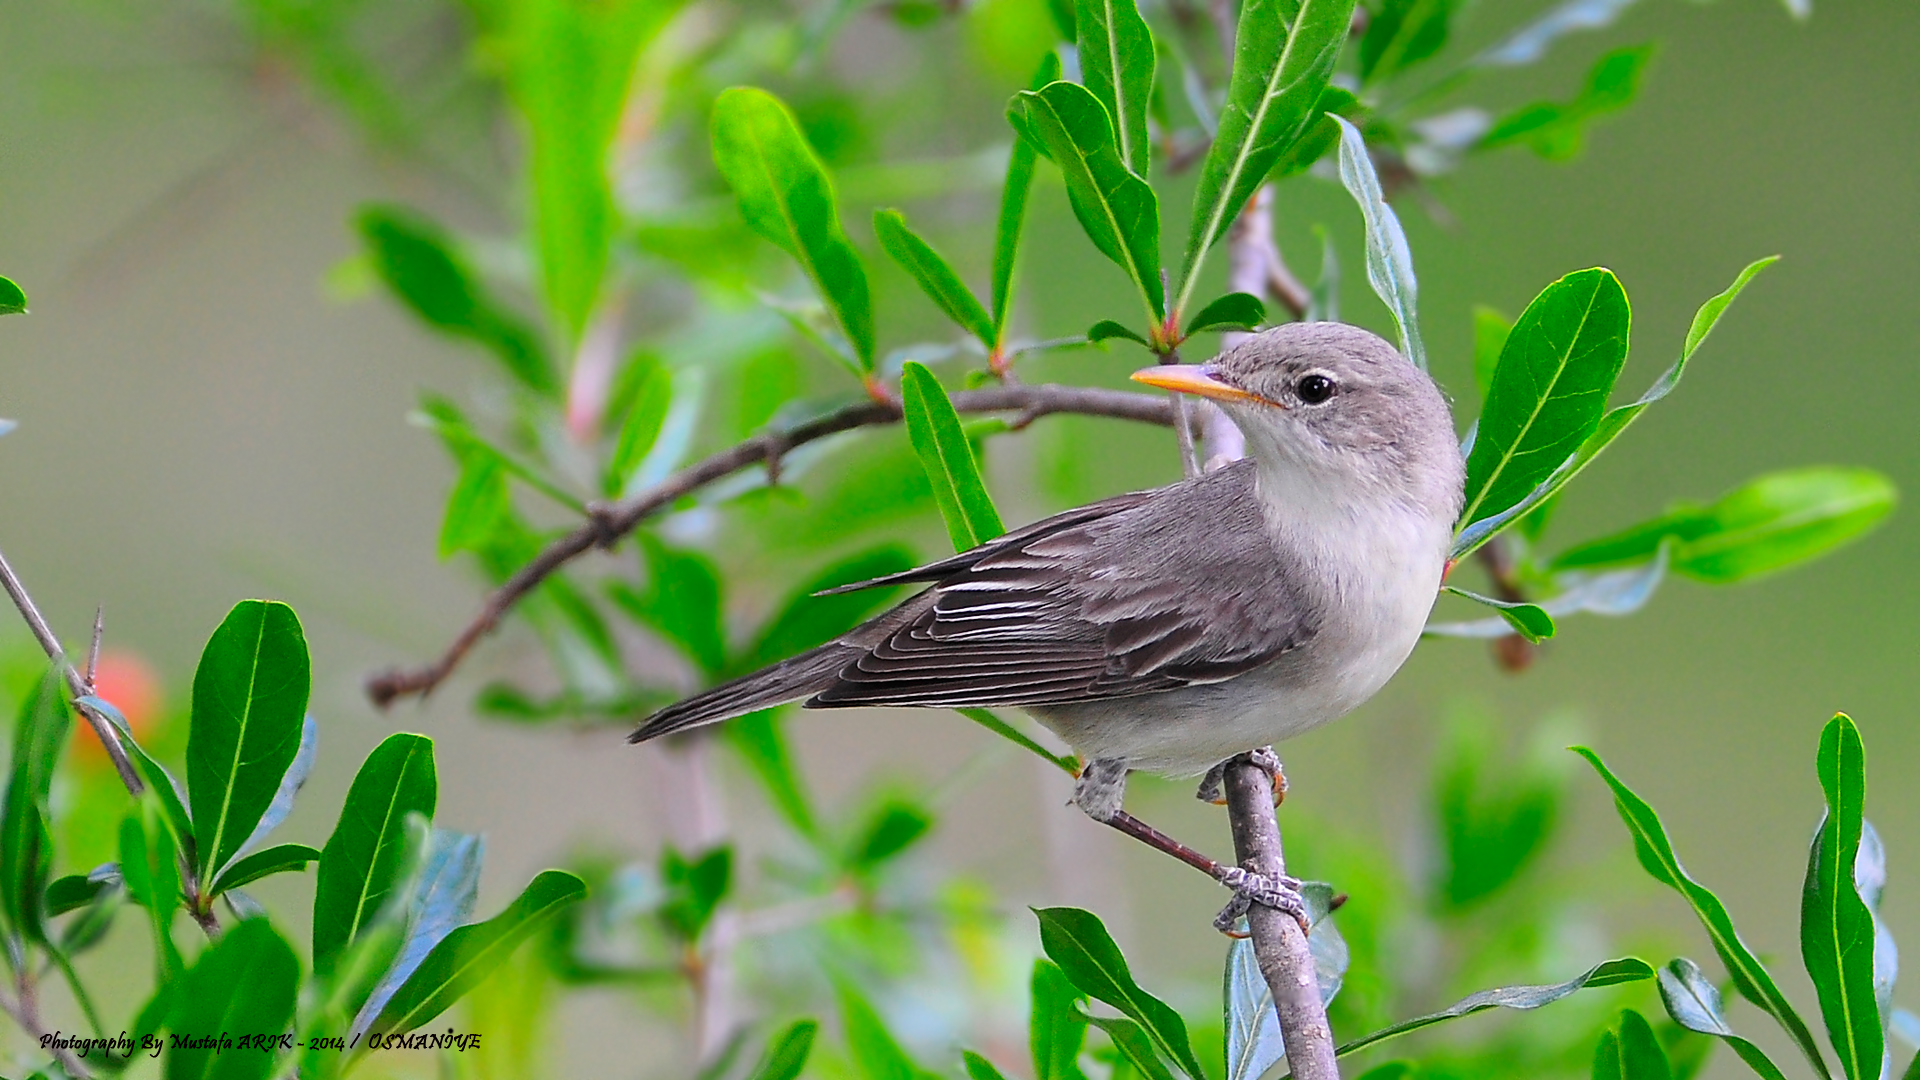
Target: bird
(1170, 630)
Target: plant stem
(1278, 943)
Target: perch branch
(1278, 943)
(609, 522)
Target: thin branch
(50, 644)
(1279, 945)
(608, 523)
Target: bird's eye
(1314, 389)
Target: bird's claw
(1213, 785)
(1281, 894)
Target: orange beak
(1194, 379)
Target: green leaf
(1549, 389)
(1117, 209)
(1629, 1051)
(1107, 329)
(13, 301)
(249, 698)
(681, 604)
(148, 866)
(787, 197)
(694, 888)
(247, 982)
(26, 844)
(1694, 1003)
(872, 1046)
(1836, 926)
(476, 505)
(986, 719)
(1615, 420)
(808, 618)
(415, 259)
(1611, 973)
(786, 1052)
(274, 860)
(1401, 34)
(70, 893)
(1657, 857)
(1234, 311)
(1134, 1045)
(1490, 330)
(1495, 815)
(1056, 1029)
(640, 427)
(1389, 259)
(1013, 209)
(468, 955)
(367, 853)
(572, 66)
(1116, 65)
(1557, 131)
(934, 429)
(1767, 524)
(936, 278)
(1278, 76)
(1530, 621)
(1077, 941)
(893, 828)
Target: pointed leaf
(1116, 65)
(1770, 523)
(1401, 34)
(786, 1052)
(786, 196)
(471, 953)
(1557, 130)
(246, 982)
(1134, 1045)
(364, 857)
(1613, 422)
(148, 866)
(274, 860)
(935, 277)
(1530, 621)
(1549, 389)
(1630, 1051)
(1116, 208)
(1278, 75)
(1254, 1040)
(1657, 857)
(934, 429)
(1389, 259)
(26, 844)
(1610, 973)
(682, 603)
(1617, 592)
(1234, 311)
(1078, 942)
(758, 739)
(1013, 209)
(1107, 329)
(640, 427)
(986, 719)
(979, 1068)
(872, 1047)
(1056, 1028)
(74, 891)
(1836, 927)
(1694, 1003)
(12, 300)
(808, 618)
(415, 258)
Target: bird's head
(1332, 405)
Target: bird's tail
(789, 680)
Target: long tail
(789, 680)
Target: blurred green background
(209, 411)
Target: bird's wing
(1156, 591)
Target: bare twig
(612, 521)
(79, 685)
(1278, 942)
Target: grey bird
(1172, 629)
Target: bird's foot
(1213, 785)
(1101, 789)
(1281, 894)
